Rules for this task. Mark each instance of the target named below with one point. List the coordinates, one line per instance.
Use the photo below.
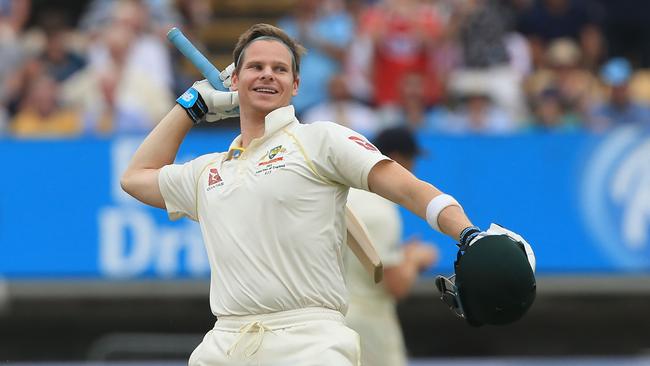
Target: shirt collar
(274, 121)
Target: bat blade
(362, 247)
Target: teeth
(265, 90)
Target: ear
(296, 83)
(234, 80)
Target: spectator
(58, 59)
(482, 29)
(41, 113)
(195, 14)
(550, 114)
(547, 20)
(148, 54)
(344, 110)
(411, 109)
(401, 36)
(161, 14)
(117, 97)
(487, 43)
(4, 120)
(17, 82)
(578, 88)
(13, 16)
(640, 86)
(619, 109)
(326, 31)
(357, 68)
(477, 114)
(593, 48)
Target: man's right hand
(202, 102)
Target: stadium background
(86, 273)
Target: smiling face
(264, 79)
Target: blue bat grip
(207, 69)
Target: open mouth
(265, 90)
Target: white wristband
(437, 204)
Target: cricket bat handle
(207, 69)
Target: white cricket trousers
(302, 337)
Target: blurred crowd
(443, 66)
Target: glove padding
(226, 76)
(220, 104)
(202, 102)
(496, 229)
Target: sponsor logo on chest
(214, 179)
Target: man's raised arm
(140, 179)
(201, 102)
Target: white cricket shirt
(273, 219)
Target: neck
(251, 125)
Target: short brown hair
(267, 30)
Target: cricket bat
(207, 69)
(358, 238)
(361, 245)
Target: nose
(267, 73)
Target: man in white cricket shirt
(271, 209)
(372, 307)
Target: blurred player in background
(271, 209)
(372, 311)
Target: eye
(281, 69)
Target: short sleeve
(178, 187)
(343, 155)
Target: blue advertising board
(581, 200)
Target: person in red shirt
(403, 34)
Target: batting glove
(226, 75)
(202, 102)
(472, 234)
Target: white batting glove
(226, 75)
(220, 104)
(202, 102)
(472, 234)
(496, 229)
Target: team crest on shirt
(214, 179)
(272, 156)
(271, 160)
(275, 151)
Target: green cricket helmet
(494, 282)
